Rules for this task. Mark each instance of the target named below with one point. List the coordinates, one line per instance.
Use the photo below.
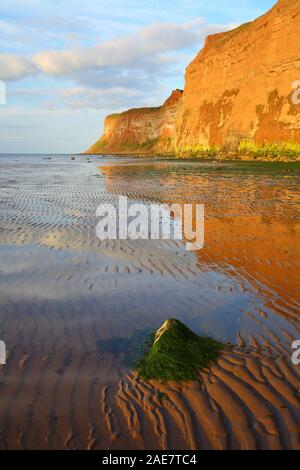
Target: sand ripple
(63, 291)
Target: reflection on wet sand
(252, 225)
(71, 303)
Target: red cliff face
(240, 85)
(140, 130)
(238, 88)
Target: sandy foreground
(70, 305)
(249, 400)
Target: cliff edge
(238, 95)
(141, 130)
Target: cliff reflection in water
(252, 220)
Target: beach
(72, 304)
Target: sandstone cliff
(141, 129)
(237, 89)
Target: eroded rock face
(141, 129)
(240, 84)
(238, 87)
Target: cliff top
(170, 101)
(213, 41)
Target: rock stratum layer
(141, 129)
(238, 88)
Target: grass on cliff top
(178, 354)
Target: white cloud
(136, 50)
(80, 97)
(13, 66)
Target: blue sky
(66, 64)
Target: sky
(65, 64)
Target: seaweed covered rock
(176, 353)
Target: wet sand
(64, 293)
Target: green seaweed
(269, 150)
(203, 151)
(178, 354)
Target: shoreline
(234, 158)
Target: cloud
(81, 97)
(148, 42)
(146, 47)
(13, 66)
